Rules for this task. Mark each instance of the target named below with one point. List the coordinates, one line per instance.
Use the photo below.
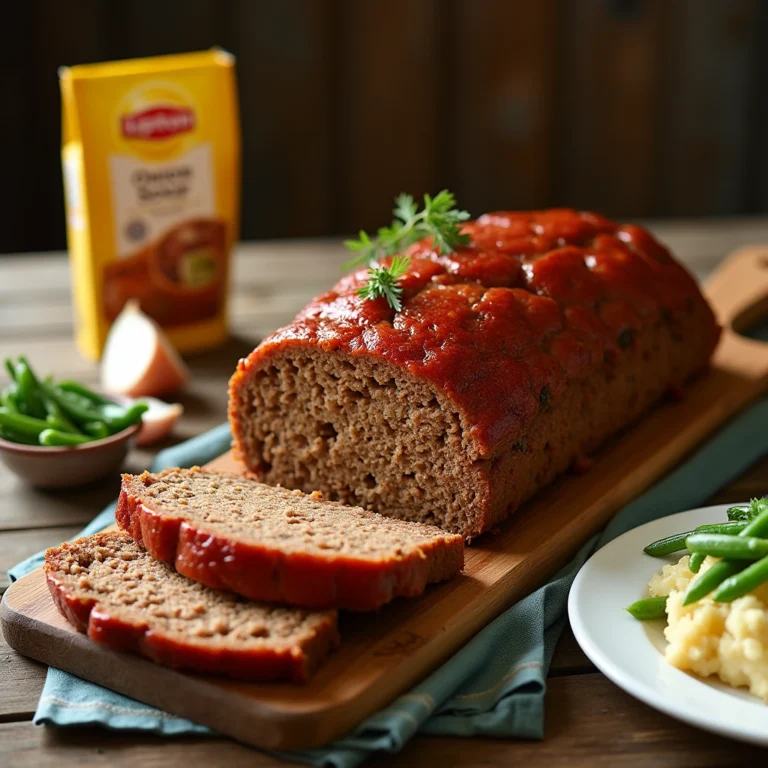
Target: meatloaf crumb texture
(510, 359)
(280, 545)
(112, 589)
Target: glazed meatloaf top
(502, 325)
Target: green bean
(8, 399)
(742, 583)
(650, 608)
(54, 423)
(83, 411)
(96, 429)
(76, 411)
(695, 561)
(676, 543)
(26, 425)
(728, 547)
(712, 578)
(75, 388)
(729, 528)
(83, 402)
(27, 393)
(131, 416)
(667, 545)
(17, 437)
(10, 368)
(54, 412)
(112, 411)
(759, 525)
(55, 438)
(19, 403)
(719, 572)
(23, 365)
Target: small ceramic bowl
(46, 467)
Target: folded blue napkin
(495, 685)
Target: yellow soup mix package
(151, 158)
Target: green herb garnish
(383, 281)
(749, 512)
(439, 219)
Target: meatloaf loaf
(510, 358)
(282, 546)
(109, 587)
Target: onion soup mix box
(151, 159)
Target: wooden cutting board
(385, 653)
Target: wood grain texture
(19, 545)
(285, 56)
(390, 114)
(589, 723)
(340, 96)
(56, 38)
(38, 508)
(607, 138)
(15, 83)
(385, 653)
(504, 103)
(705, 159)
(21, 681)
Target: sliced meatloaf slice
(283, 546)
(110, 588)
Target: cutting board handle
(738, 289)
(738, 292)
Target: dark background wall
(632, 107)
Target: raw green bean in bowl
(62, 434)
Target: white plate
(630, 652)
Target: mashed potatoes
(729, 640)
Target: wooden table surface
(589, 720)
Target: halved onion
(138, 359)
(158, 421)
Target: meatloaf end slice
(363, 431)
(111, 589)
(273, 544)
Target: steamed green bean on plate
(713, 594)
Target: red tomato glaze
(536, 300)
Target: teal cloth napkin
(495, 685)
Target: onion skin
(161, 377)
(163, 372)
(158, 422)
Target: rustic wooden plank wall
(634, 107)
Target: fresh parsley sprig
(439, 219)
(384, 281)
